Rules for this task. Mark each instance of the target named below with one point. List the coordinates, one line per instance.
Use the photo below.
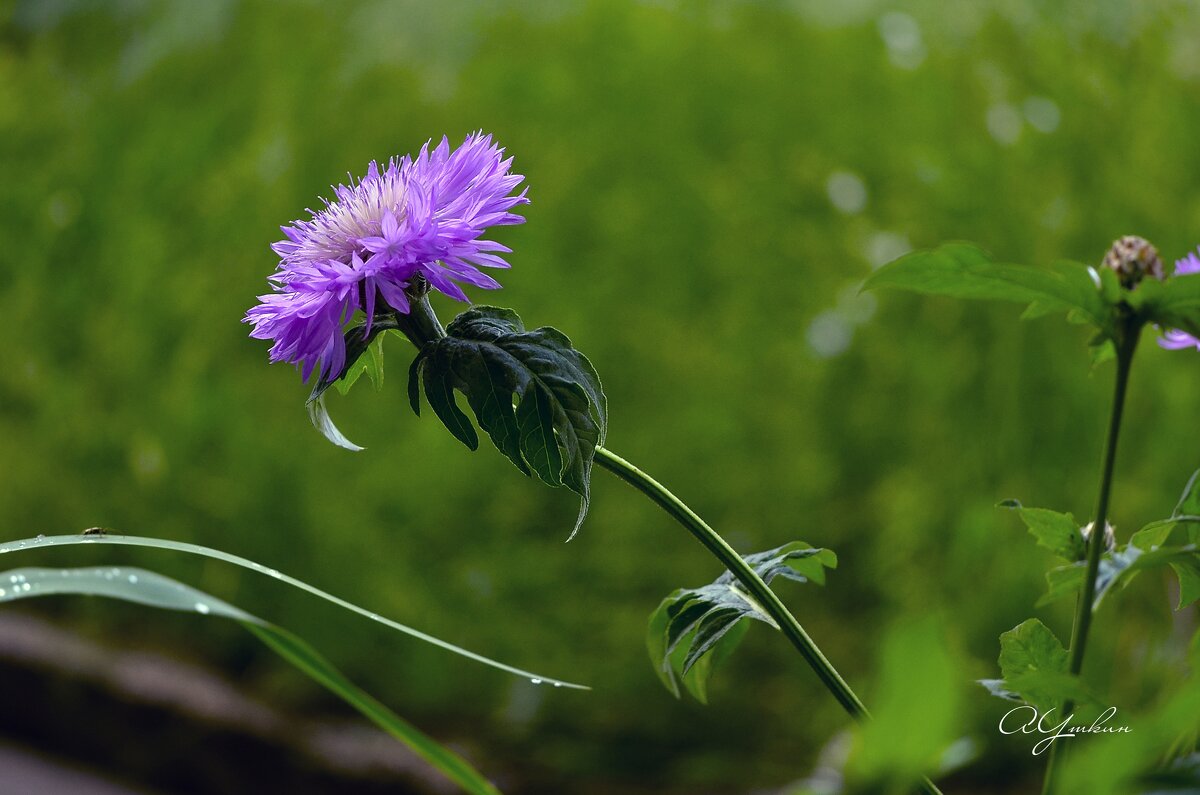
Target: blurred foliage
(711, 181)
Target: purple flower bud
(416, 222)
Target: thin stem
(1127, 339)
(749, 579)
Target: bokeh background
(711, 182)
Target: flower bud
(1110, 536)
(1132, 258)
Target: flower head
(1133, 258)
(1174, 339)
(417, 221)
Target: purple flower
(1174, 339)
(421, 217)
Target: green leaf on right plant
(693, 629)
(1173, 303)
(963, 270)
(1057, 532)
(1173, 542)
(1033, 663)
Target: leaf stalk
(749, 580)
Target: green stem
(1128, 332)
(749, 579)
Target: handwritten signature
(1040, 723)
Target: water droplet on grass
(202, 608)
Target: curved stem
(1127, 340)
(749, 580)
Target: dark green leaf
(693, 629)
(1057, 532)
(439, 391)
(148, 588)
(962, 270)
(560, 413)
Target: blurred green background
(710, 181)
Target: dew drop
(3, 592)
(20, 545)
(558, 684)
(202, 608)
(535, 681)
(40, 538)
(133, 578)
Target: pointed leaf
(319, 416)
(439, 391)
(1057, 532)
(693, 629)
(370, 363)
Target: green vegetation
(711, 184)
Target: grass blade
(195, 549)
(148, 588)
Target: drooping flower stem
(1128, 332)
(749, 580)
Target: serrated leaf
(962, 270)
(1057, 532)
(693, 629)
(154, 590)
(1034, 665)
(560, 413)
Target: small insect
(95, 531)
